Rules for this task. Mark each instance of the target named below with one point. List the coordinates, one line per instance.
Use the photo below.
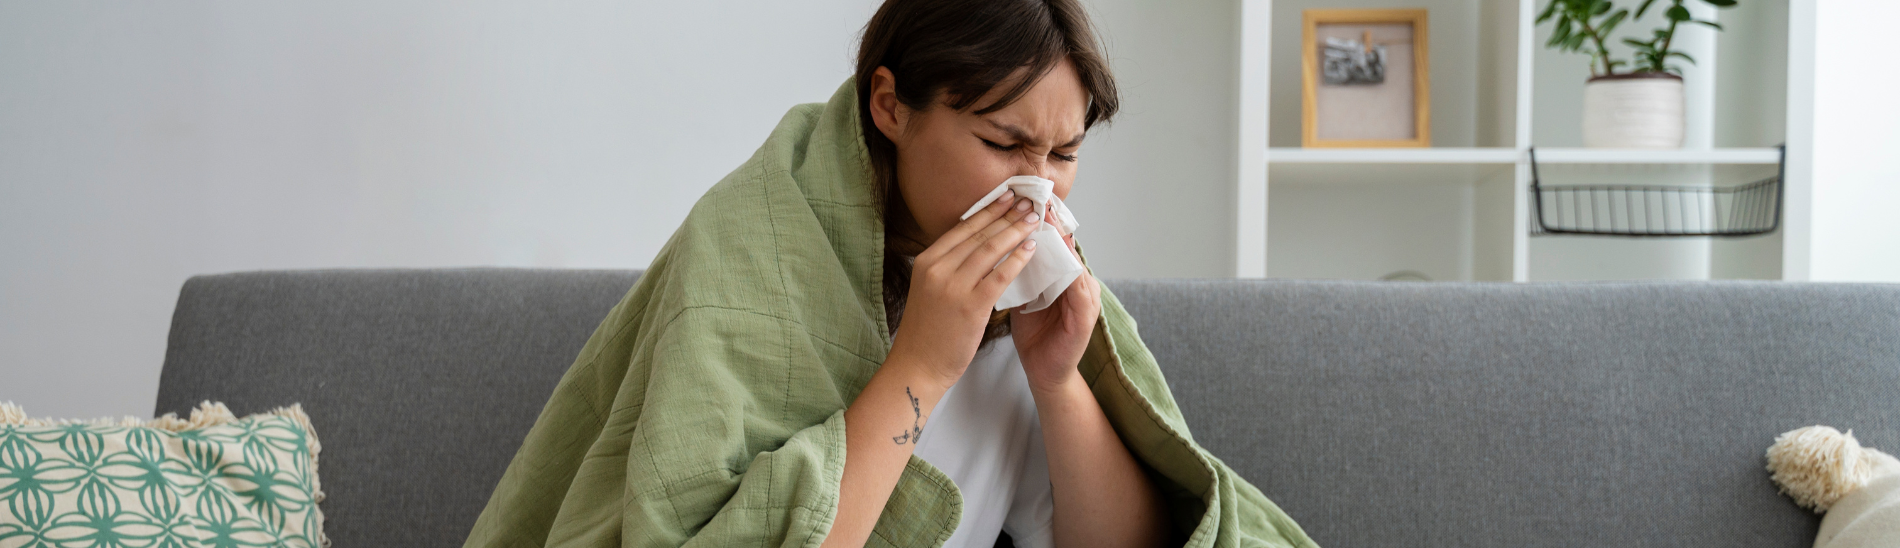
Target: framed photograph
(1365, 79)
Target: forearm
(1102, 498)
(881, 428)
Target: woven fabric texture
(1524, 415)
(422, 382)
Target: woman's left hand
(1050, 341)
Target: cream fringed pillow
(1858, 487)
(212, 480)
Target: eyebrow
(1019, 134)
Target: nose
(1037, 165)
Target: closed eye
(1057, 155)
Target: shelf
(1464, 210)
(1376, 173)
(1763, 155)
(1294, 155)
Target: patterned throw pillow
(212, 480)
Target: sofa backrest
(420, 383)
(1524, 415)
(1375, 413)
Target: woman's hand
(955, 283)
(1050, 341)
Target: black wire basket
(1652, 211)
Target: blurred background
(142, 143)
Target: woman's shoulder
(789, 233)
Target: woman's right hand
(955, 283)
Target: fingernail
(1022, 205)
(1032, 218)
(1007, 194)
(1029, 245)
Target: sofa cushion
(1524, 415)
(424, 381)
(1403, 414)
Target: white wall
(142, 143)
(1156, 190)
(1854, 233)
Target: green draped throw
(708, 407)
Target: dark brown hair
(957, 51)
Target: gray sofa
(1377, 414)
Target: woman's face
(948, 159)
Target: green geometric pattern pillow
(212, 481)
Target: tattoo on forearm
(916, 428)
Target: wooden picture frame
(1371, 111)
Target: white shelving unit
(1720, 156)
(1459, 211)
(1392, 155)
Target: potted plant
(1639, 108)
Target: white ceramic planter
(1641, 110)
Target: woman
(812, 359)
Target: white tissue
(1050, 272)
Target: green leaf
(1682, 55)
(1576, 41)
(1548, 12)
(1711, 24)
(1638, 44)
(1601, 7)
(1560, 35)
(1678, 14)
(1644, 8)
(1610, 24)
(1721, 3)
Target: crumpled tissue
(1050, 272)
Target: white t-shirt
(984, 435)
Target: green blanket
(708, 407)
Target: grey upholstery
(1400, 414)
(1377, 414)
(420, 383)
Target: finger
(1077, 295)
(1000, 278)
(1092, 287)
(984, 255)
(1010, 219)
(967, 227)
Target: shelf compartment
(1656, 210)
